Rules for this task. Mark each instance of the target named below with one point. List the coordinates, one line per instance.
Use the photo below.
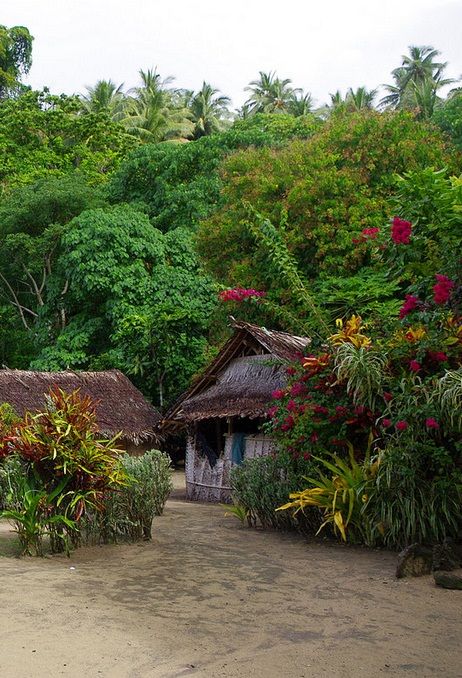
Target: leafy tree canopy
(15, 58)
(319, 195)
(43, 135)
(122, 294)
(180, 184)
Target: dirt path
(209, 599)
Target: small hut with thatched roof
(224, 408)
(120, 407)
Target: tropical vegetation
(133, 221)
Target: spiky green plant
(447, 397)
(363, 370)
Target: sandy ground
(210, 599)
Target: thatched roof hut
(224, 408)
(240, 380)
(119, 406)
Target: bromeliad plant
(341, 495)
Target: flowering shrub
(239, 294)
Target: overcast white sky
(322, 45)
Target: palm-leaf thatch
(240, 380)
(120, 407)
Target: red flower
(272, 411)
(314, 437)
(291, 405)
(442, 289)
(291, 371)
(387, 396)
(238, 294)
(402, 425)
(341, 410)
(306, 456)
(437, 356)
(431, 423)
(297, 389)
(414, 366)
(278, 394)
(401, 231)
(386, 423)
(320, 409)
(409, 305)
(288, 423)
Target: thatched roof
(119, 406)
(244, 388)
(240, 380)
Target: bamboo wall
(204, 483)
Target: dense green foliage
(43, 135)
(57, 468)
(128, 513)
(124, 216)
(62, 484)
(15, 58)
(261, 485)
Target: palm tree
(355, 100)
(360, 99)
(301, 104)
(154, 113)
(269, 94)
(105, 96)
(208, 111)
(419, 66)
(418, 73)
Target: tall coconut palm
(355, 100)
(105, 96)
(209, 111)
(420, 66)
(360, 99)
(301, 104)
(419, 72)
(153, 114)
(269, 94)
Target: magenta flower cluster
(442, 289)
(238, 294)
(410, 304)
(401, 231)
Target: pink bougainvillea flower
(238, 294)
(402, 425)
(291, 371)
(314, 437)
(272, 411)
(387, 396)
(414, 366)
(278, 394)
(437, 356)
(297, 389)
(291, 405)
(386, 423)
(288, 423)
(410, 304)
(431, 423)
(442, 289)
(401, 231)
(306, 456)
